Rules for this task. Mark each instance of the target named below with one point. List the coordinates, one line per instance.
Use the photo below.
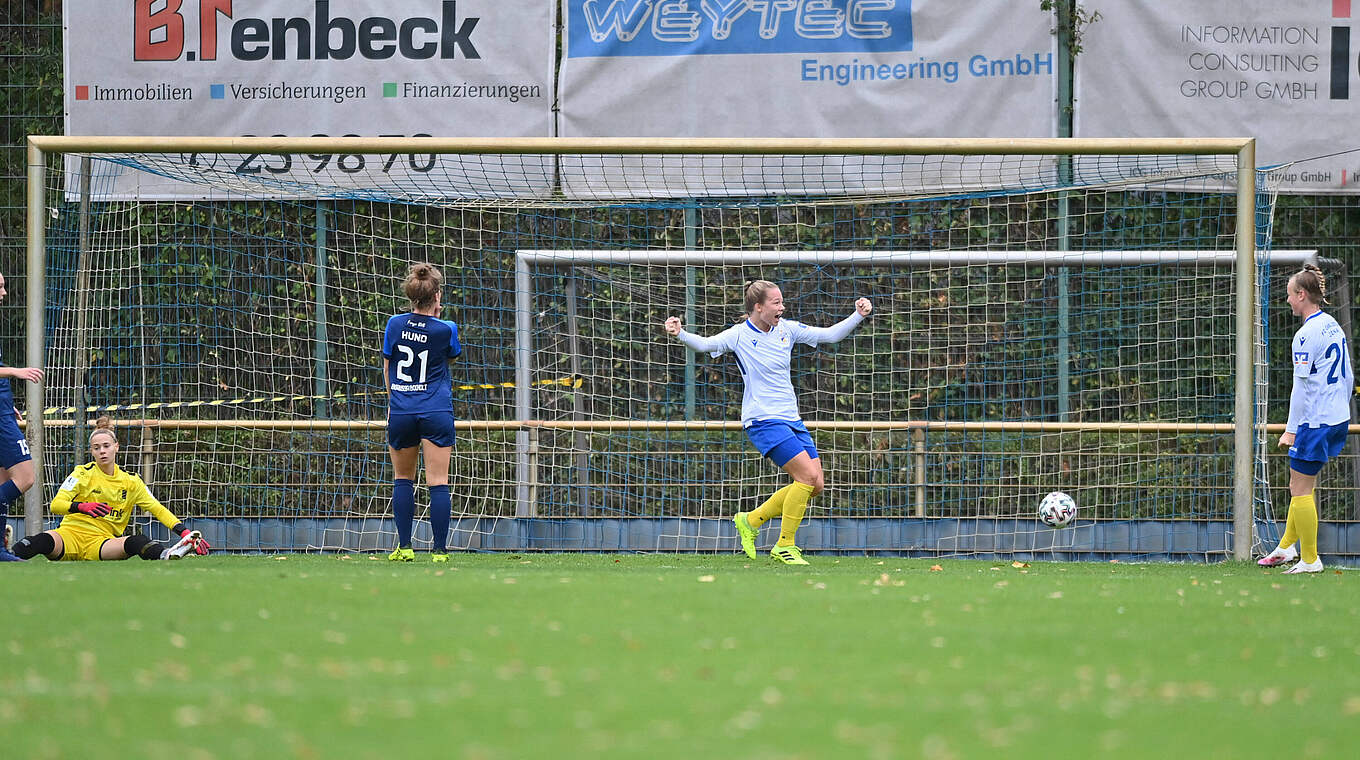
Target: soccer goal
(1077, 315)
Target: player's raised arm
(837, 332)
(715, 344)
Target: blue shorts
(13, 445)
(407, 430)
(781, 440)
(1313, 446)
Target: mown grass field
(567, 656)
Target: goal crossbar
(892, 259)
(633, 146)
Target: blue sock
(403, 509)
(9, 493)
(439, 516)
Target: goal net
(1062, 317)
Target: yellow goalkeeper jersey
(122, 491)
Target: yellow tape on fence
(570, 381)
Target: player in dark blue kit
(16, 464)
(417, 349)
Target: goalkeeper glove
(201, 546)
(92, 508)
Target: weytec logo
(718, 27)
(1344, 62)
(161, 31)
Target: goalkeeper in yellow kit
(97, 500)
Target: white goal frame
(527, 260)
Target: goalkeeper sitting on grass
(98, 499)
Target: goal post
(272, 232)
(1246, 245)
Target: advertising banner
(807, 68)
(1284, 73)
(804, 68)
(448, 68)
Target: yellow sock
(1291, 528)
(772, 508)
(1306, 522)
(795, 503)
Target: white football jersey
(764, 359)
(1322, 372)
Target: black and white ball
(1057, 510)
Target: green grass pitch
(661, 656)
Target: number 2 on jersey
(409, 359)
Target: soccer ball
(1057, 509)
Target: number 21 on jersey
(408, 358)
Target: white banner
(448, 68)
(1284, 73)
(802, 68)
(807, 68)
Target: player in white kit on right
(1319, 415)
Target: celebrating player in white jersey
(763, 346)
(1319, 415)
